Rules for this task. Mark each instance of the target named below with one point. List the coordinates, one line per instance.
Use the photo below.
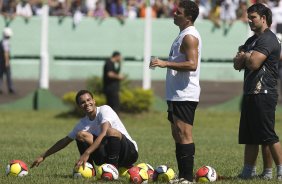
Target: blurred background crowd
(215, 10)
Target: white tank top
(183, 85)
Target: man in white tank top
(182, 86)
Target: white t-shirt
(183, 85)
(6, 45)
(104, 114)
(25, 10)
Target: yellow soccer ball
(16, 168)
(87, 172)
(148, 168)
(163, 173)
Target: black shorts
(128, 153)
(258, 119)
(183, 110)
(127, 157)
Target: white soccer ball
(107, 172)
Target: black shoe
(11, 91)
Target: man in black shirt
(259, 56)
(112, 79)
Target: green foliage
(95, 85)
(132, 100)
(136, 100)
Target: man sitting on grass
(100, 136)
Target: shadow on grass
(66, 176)
(67, 114)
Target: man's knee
(111, 132)
(182, 134)
(82, 135)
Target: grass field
(26, 134)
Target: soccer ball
(137, 175)
(107, 172)
(206, 174)
(163, 173)
(16, 168)
(148, 168)
(87, 172)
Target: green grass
(26, 134)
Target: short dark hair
(116, 53)
(261, 9)
(190, 9)
(80, 93)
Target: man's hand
(159, 63)
(37, 162)
(82, 160)
(121, 76)
(7, 64)
(239, 61)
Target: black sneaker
(11, 91)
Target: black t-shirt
(263, 80)
(2, 57)
(109, 83)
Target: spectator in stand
(171, 7)
(24, 10)
(241, 12)
(78, 10)
(36, 6)
(8, 10)
(100, 11)
(142, 10)
(90, 6)
(132, 9)
(59, 8)
(159, 8)
(214, 14)
(117, 10)
(265, 2)
(203, 12)
(228, 14)
(277, 17)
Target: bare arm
(7, 59)
(254, 60)
(114, 75)
(55, 148)
(84, 157)
(189, 48)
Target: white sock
(279, 170)
(267, 172)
